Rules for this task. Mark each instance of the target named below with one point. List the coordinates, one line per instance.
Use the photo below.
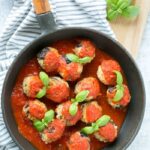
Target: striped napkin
(22, 27)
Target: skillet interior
(136, 108)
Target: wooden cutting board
(129, 32)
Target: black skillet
(136, 108)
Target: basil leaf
(102, 121)
(80, 97)
(73, 100)
(41, 93)
(85, 60)
(119, 78)
(44, 77)
(124, 4)
(95, 127)
(49, 116)
(73, 109)
(112, 14)
(72, 57)
(87, 130)
(119, 94)
(131, 11)
(39, 125)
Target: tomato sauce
(18, 100)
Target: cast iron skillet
(136, 108)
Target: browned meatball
(91, 111)
(62, 111)
(91, 84)
(70, 71)
(78, 141)
(85, 48)
(48, 59)
(32, 85)
(58, 90)
(107, 133)
(123, 102)
(54, 131)
(34, 110)
(106, 72)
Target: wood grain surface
(129, 32)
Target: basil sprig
(80, 97)
(75, 58)
(117, 8)
(41, 124)
(45, 80)
(119, 87)
(102, 121)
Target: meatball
(106, 73)
(62, 111)
(34, 110)
(53, 132)
(58, 90)
(48, 59)
(70, 71)
(91, 112)
(124, 100)
(107, 133)
(85, 48)
(32, 85)
(91, 84)
(78, 141)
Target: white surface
(142, 141)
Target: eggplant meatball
(106, 72)
(53, 132)
(32, 85)
(58, 90)
(62, 111)
(91, 112)
(85, 48)
(124, 100)
(91, 84)
(34, 110)
(48, 59)
(78, 141)
(107, 133)
(70, 71)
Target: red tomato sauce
(18, 100)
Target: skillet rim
(124, 50)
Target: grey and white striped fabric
(22, 27)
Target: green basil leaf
(102, 121)
(119, 77)
(80, 97)
(87, 130)
(85, 60)
(44, 77)
(73, 100)
(95, 127)
(131, 11)
(72, 57)
(39, 125)
(119, 94)
(123, 3)
(49, 116)
(73, 109)
(112, 14)
(41, 93)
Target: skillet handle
(41, 6)
(44, 15)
